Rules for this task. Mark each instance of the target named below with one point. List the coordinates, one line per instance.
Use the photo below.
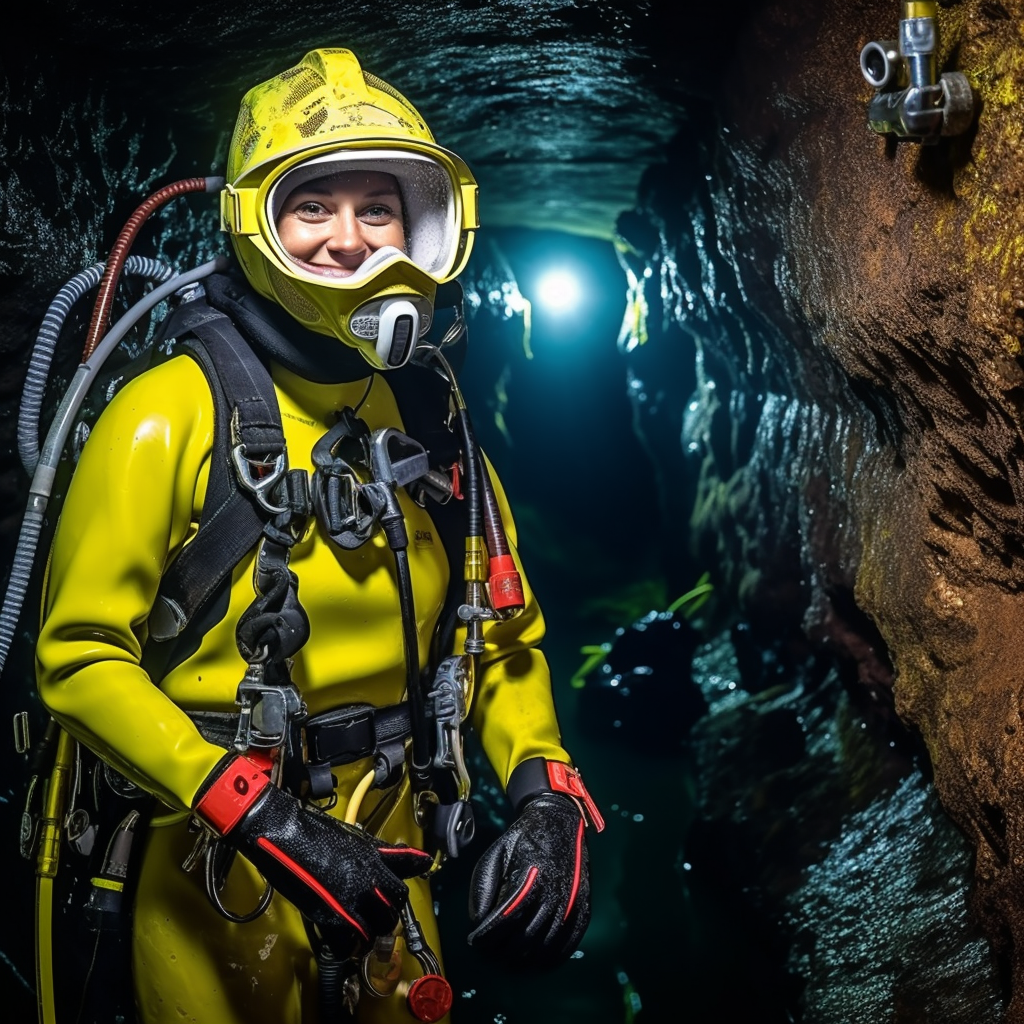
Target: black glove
(347, 883)
(529, 896)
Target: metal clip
(411, 462)
(259, 484)
(381, 967)
(197, 854)
(267, 711)
(80, 831)
(28, 832)
(447, 706)
(337, 483)
(21, 736)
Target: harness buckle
(258, 476)
(264, 722)
(351, 733)
(350, 728)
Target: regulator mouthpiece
(398, 330)
(393, 325)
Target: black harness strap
(232, 520)
(194, 589)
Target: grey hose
(46, 343)
(46, 468)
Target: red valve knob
(429, 998)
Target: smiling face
(329, 226)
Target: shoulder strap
(247, 434)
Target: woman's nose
(346, 235)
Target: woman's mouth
(334, 270)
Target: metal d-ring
(259, 485)
(214, 895)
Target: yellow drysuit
(135, 500)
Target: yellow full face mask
(327, 120)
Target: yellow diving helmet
(325, 117)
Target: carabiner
(259, 485)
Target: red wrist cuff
(566, 779)
(232, 792)
(536, 775)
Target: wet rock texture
(859, 440)
(852, 878)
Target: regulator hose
(46, 468)
(119, 252)
(497, 540)
(506, 585)
(46, 343)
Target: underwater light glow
(559, 291)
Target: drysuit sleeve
(513, 707)
(129, 509)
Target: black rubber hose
(393, 523)
(472, 468)
(421, 753)
(330, 978)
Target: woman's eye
(379, 213)
(310, 210)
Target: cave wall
(857, 308)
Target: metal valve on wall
(911, 100)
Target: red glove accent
(345, 881)
(234, 791)
(565, 779)
(529, 894)
(535, 776)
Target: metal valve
(911, 100)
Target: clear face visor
(429, 219)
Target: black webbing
(245, 405)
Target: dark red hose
(503, 577)
(119, 253)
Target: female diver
(297, 722)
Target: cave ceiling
(557, 106)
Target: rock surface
(879, 498)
